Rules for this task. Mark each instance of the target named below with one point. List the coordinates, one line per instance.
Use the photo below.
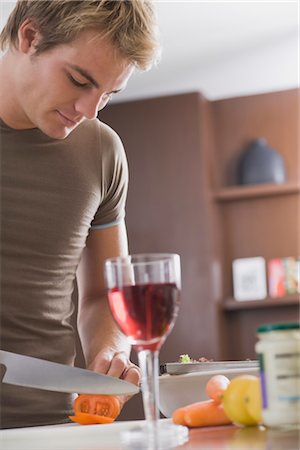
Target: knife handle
(2, 371)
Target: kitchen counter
(107, 437)
(236, 438)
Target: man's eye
(108, 96)
(77, 83)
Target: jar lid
(278, 327)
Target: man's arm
(105, 348)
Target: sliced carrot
(205, 414)
(100, 405)
(90, 419)
(216, 387)
(201, 414)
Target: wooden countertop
(236, 438)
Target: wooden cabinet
(258, 220)
(167, 208)
(261, 222)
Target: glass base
(163, 436)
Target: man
(63, 185)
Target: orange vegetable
(216, 387)
(201, 414)
(178, 416)
(101, 405)
(90, 409)
(90, 419)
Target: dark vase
(260, 163)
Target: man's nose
(89, 105)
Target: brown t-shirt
(52, 193)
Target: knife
(38, 373)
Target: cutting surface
(107, 437)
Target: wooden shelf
(233, 305)
(262, 190)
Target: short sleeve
(113, 179)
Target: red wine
(145, 312)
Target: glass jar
(278, 351)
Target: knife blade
(38, 373)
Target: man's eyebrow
(85, 74)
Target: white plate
(176, 368)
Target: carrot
(90, 419)
(204, 414)
(101, 405)
(178, 416)
(216, 387)
(201, 414)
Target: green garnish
(184, 359)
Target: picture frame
(249, 278)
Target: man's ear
(28, 36)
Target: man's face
(60, 88)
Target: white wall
(272, 66)
(268, 68)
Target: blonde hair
(130, 25)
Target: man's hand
(117, 365)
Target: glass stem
(149, 365)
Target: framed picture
(276, 274)
(249, 279)
(283, 275)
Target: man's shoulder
(96, 128)
(99, 137)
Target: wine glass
(143, 295)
